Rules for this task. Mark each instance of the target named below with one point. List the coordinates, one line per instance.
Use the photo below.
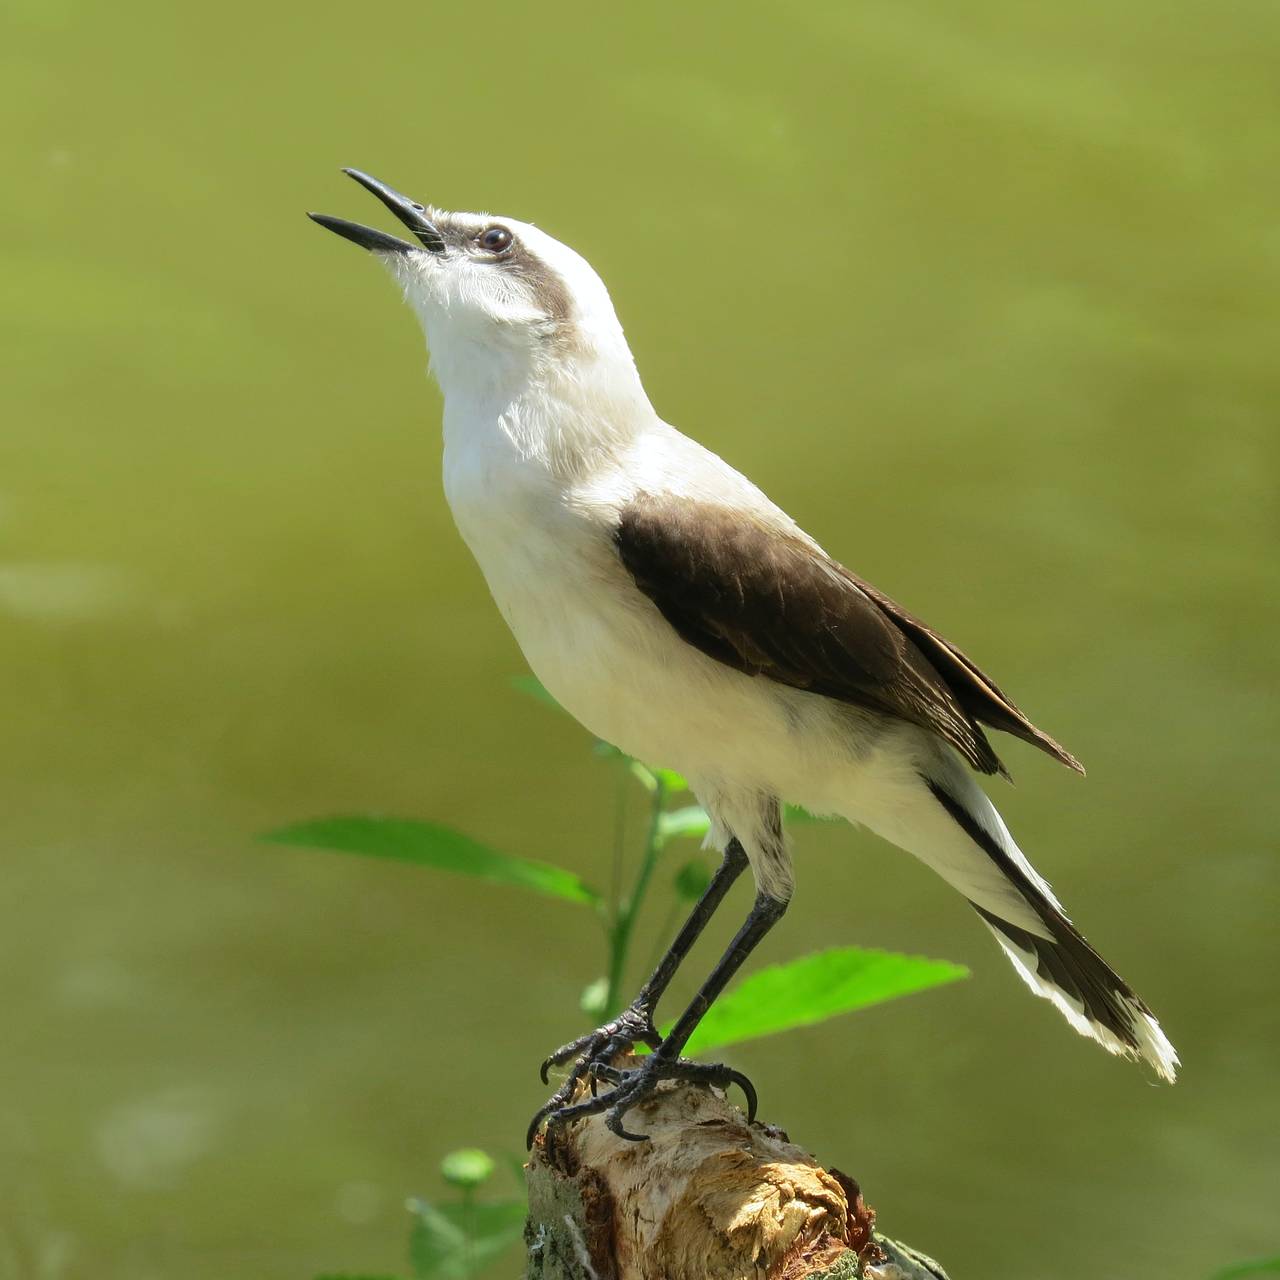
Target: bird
(683, 617)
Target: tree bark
(706, 1198)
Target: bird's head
(498, 298)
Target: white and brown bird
(681, 615)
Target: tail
(1095, 999)
(1048, 952)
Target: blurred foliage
(455, 1241)
(469, 1167)
(427, 844)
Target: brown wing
(770, 604)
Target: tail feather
(1093, 998)
(1049, 953)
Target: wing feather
(770, 603)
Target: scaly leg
(637, 1083)
(635, 1024)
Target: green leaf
(692, 880)
(1255, 1267)
(536, 690)
(428, 844)
(814, 988)
(670, 779)
(437, 1245)
(692, 820)
(468, 1167)
(455, 1241)
(344, 1275)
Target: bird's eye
(495, 239)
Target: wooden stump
(706, 1198)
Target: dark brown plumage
(769, 604)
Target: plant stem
(629, 908)
(619, 839)
(468, 1228)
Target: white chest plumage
(544, 542)
(541, 554)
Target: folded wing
(769, 603)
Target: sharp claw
(749, 1092)
(583, 1048)
(614, 1123)
(539, 1116)
(534, 1125)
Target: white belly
(609, 658)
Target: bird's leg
(635, 1084)
(634, 1025)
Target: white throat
(564, 401)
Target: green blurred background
(987, 294)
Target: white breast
(546, 549)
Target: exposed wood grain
(708, 1197)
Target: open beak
(410, 212)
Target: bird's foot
(633, 1085)
(598, 1048)
(634, 1025)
